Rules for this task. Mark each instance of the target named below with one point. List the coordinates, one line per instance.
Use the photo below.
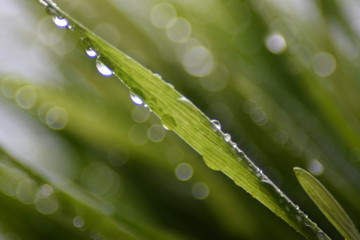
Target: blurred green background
(79, 160)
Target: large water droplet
(91, 52)
(103, 69)
(216, 124)
(60, 21)
(137, 100)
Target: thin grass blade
(328, 205)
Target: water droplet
(103, 69)
(60, 21)
(233, 145)
(26, 97)
(184, 171)
(216, 124)
(140, 114)
(78, 221)
(320, 235)
(299, 218)
(137, 100)
(70, 27)
(227, 137)
(183, 99)
(56, 118)
(275, 43)
(91, 52)
(42, 2)
(96, 235)
(156, 133)
(200, 190)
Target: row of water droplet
(293, 211)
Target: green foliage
(79, 159)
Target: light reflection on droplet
(9, 86)
(78, 221)
(25, 97)
(216, 124)
(46, 202)
(103, 69)
(217, 80)
(140, 114)
(275, 43)
(184, 171)
(259, 116)
(42, 2)
(315, 167)
(96, 235)
(156, 133)
(227, 137)
(56, 118)
(161, 14)
(198, 61)
(47, 205)
(101, 180)
(60, 21)
(45, 191)
(178, 30)
(324, 64)
(91, 52)
(135, 99)
(26, 190)
(200, 190)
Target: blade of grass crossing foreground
(327, 204)
(178, 114)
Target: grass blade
(180, 115)
(328, 205)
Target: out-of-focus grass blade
(328, 205)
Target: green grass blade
(180, 115)
(328, 205)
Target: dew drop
(200, 190)
(91, 52)
(299, 218)
(184, 171)
(78, 221)
(70, 27)
(103, 69)
(216, 124)
(60, 21)
(44, 3)
(227, 137)
(320, 235)
(233, 145)
(137, 100)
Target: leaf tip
(298, 170)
